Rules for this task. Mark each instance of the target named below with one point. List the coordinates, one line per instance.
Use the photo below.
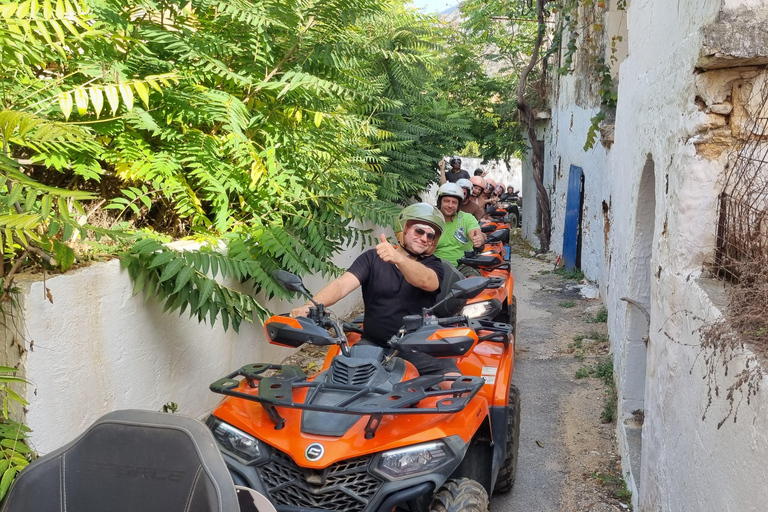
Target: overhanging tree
(269, 127)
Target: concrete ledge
(737, 38)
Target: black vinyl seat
(129, 461)
(500, 235)
(452, 306)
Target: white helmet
(464, 183)
(450, 190)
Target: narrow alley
(568, 458)
(568, 461)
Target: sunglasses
(420, 231)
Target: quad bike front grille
(342, 373)
(345, 486)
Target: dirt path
(568, 459)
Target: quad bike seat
(500, 235)
(130, 461)
(452, 306)
(484, 261)
(487, 228)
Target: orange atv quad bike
(497, 302)
(368, 433)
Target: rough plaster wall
(565, 145)
(687, 464)
(683, 120)
(97, 348)
(528, 186)
(528, 213)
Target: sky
(433, 6)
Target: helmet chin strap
(411, 253)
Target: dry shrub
(745, 324)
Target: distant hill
(450, 11)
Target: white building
(690, 76)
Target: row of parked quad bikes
(367, 433)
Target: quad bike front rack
(275, 385)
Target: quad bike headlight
(486, 308)
(238, 443)
(413, 460)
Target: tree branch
(527, 112)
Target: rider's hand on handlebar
(387, 252)
(301, 311)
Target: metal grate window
(357, 375)
(742, 227)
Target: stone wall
(650, 215)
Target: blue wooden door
(572, 218)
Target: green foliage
(15, 454)
(269, 130)
(593, 335)
(482, 67)
(600, 317)
(617, 486)
(567, 304)
(603, 370)
(575, 274)
(170, 407)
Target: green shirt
(455, 238)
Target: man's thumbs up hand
(386, 252)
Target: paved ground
(567, 459)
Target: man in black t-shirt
(454, 174)
(396, 281)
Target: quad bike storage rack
(275, 385)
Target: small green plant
(15, 455)
(578, 348)
(171, 407)
(592, 335)
(567, 304)
(600, 317)
(603, 370)
(575, 274)
(617, 487)
(545, 272)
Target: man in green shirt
(461, 232)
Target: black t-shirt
(387, 296)
(506, 196)
(453, 177)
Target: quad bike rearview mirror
(290, 282)
(463, 289)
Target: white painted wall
(509, 173)
(97, 348)
(688, 464)
(564, 145)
